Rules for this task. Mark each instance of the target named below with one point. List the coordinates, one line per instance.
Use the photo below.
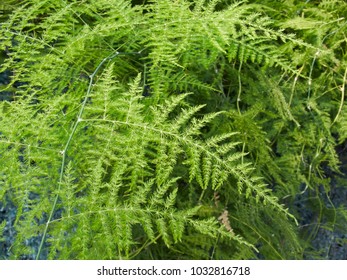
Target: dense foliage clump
(170, 129)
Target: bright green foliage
(168, 129)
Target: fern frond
(125, 118)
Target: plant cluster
(168, 129)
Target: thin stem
(67, 145)
(240, 89)
(343, 87)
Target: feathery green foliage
(167, 129)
